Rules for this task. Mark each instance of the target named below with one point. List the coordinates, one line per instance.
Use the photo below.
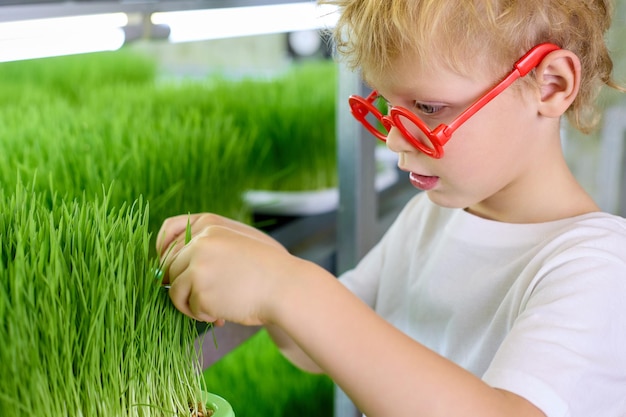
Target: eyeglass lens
(419, 135)
(381, 105)
(416, 134)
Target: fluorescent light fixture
(195, 25)
(38, 38)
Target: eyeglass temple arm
(522, 67)
(534, 57)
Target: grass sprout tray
(306, 203)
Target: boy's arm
(231, 272)
(292, 351)
(384, 371)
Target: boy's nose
(396, 142)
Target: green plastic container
(220, 407)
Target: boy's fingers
(171, 257)
(189, 302)
(173, 228)
(179, 294)
(169, 232)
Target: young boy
(500, 290)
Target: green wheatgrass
(87, 330)
(291, 118)
(77, 124)
(176, 159)
(97, 118)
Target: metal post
(358, 205)
(357, 213)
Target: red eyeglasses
(432, 142)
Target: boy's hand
(228, 271)
(173, 230)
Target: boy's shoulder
(596, 226)
(597, 233)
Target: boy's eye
(427, 108)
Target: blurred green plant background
(79, 123)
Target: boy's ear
(558, 76)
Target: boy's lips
(423, 182)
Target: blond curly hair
(372, 34)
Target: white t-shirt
(535, 309)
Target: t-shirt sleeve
(364, 279)
(566, 351)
